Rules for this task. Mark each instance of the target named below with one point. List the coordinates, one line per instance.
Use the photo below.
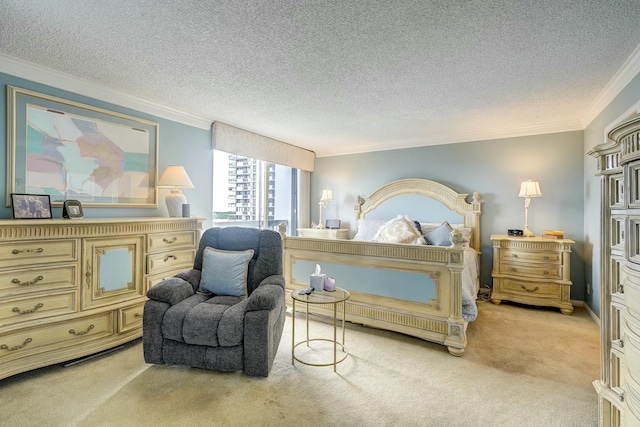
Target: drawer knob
(172, 240)
(530, 290)
(17, 251)
(546, 272)
(621, 288)
(515, 255)
(79, 333)
(16, 347)
(546, 257)
(33, 282)
(168, 257)
(514, 269)
(32, 310)
(137, 315)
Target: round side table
(333, 298)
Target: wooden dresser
(324, 233)
(618, 165)
(532, 270)
(70, 288)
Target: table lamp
(175, 177)
(528, 189)
(327, 196)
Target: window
(253, 193)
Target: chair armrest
(268, 295)
(171, 291)
(192, 276)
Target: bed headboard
(456, 202)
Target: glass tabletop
(321, 297)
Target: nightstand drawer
(530, 256)
(539, 289)
(551, 271)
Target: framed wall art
(31, 206)
(74, 151)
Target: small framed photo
(72, 209)
(31, 206)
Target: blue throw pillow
(225, 272)
(440, 236)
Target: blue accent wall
(493, 168)
(179, 144)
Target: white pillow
(367, 228)
(401, 229)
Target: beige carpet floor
(523, 367)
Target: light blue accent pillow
(225, 272)
(440, 236)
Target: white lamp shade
(175, 177)
(530, 189)
(327, 196)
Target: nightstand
(324, 233)
(532, 270)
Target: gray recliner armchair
(184, 326)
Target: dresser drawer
(130, 318)
(37, 307)
(171, 260)
(546, 257)
(28, 280)
(54, 336)
(538, 289)
(541, 271)
(14, 254)
(164, 241)
(157, 278)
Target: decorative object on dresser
(31, 206)
(175, 177)
(68, 149)
(327, 196)
(618, 165)
(534, 271)
(72, 209)
(528, 189)
(71, 289)
(426, 291)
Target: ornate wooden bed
(423, 294)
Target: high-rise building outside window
(252, 193)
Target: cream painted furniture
(440, 319)
(532, 270)
(618, 165)
(324, 233)
(70, 288)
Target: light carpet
(523, 367)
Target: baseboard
(594, 317)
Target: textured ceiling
(341, 76)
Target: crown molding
(568, 126)
(47, 76)
(620, 80)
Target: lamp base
(175, 199)
(528, 233)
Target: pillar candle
(330, 284)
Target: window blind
(238, 141)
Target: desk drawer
(524, 257)
(37, 307)
(539, 271)
(171, 260)
(538, 289)
(167, 241)
(130, 318)
(28, 280)
(14, 254)
(53, 336)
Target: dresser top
(536, 239)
